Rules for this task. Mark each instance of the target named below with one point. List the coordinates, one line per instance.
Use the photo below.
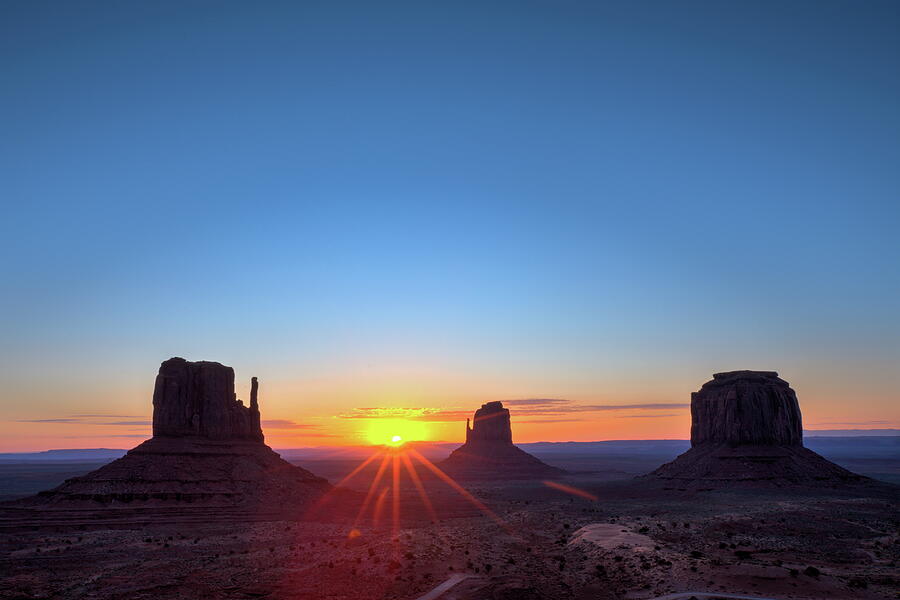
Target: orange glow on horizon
(395, 432)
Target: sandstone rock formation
(746, 428)
(198, 399)
(492, 426)
(489, 452)
(746, 407)
(207, 450)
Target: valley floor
(639, 543)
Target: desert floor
(528, 540)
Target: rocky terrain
(631, 542)
(489, 452)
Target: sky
(390, 210)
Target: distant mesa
(489, 452)
(746, 428)
(207, 449)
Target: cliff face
(197, 399)
(491, 425)
(746, 407)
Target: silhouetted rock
(746, 407)
(489, 452)
(198, 399)
(207, 450)
(491, 425)
(746, 428)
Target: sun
(395, 432)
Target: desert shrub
(858, 582)
(811, 572)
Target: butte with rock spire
(489, 452)
(207, 450)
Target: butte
(746, 429)
(207, 457)
(489, 452)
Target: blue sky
(458, 200)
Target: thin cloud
(525, 407)
(117, 435)
(409, 413)
(535, 401)
(881, 422)
(308, 434)
(287, 424)
(81, 420)
(109, 416)
(646, 416)
(533, 421)
(588, 408)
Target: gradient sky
(430, 205)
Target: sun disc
(395, 432)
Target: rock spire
(489, 452)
